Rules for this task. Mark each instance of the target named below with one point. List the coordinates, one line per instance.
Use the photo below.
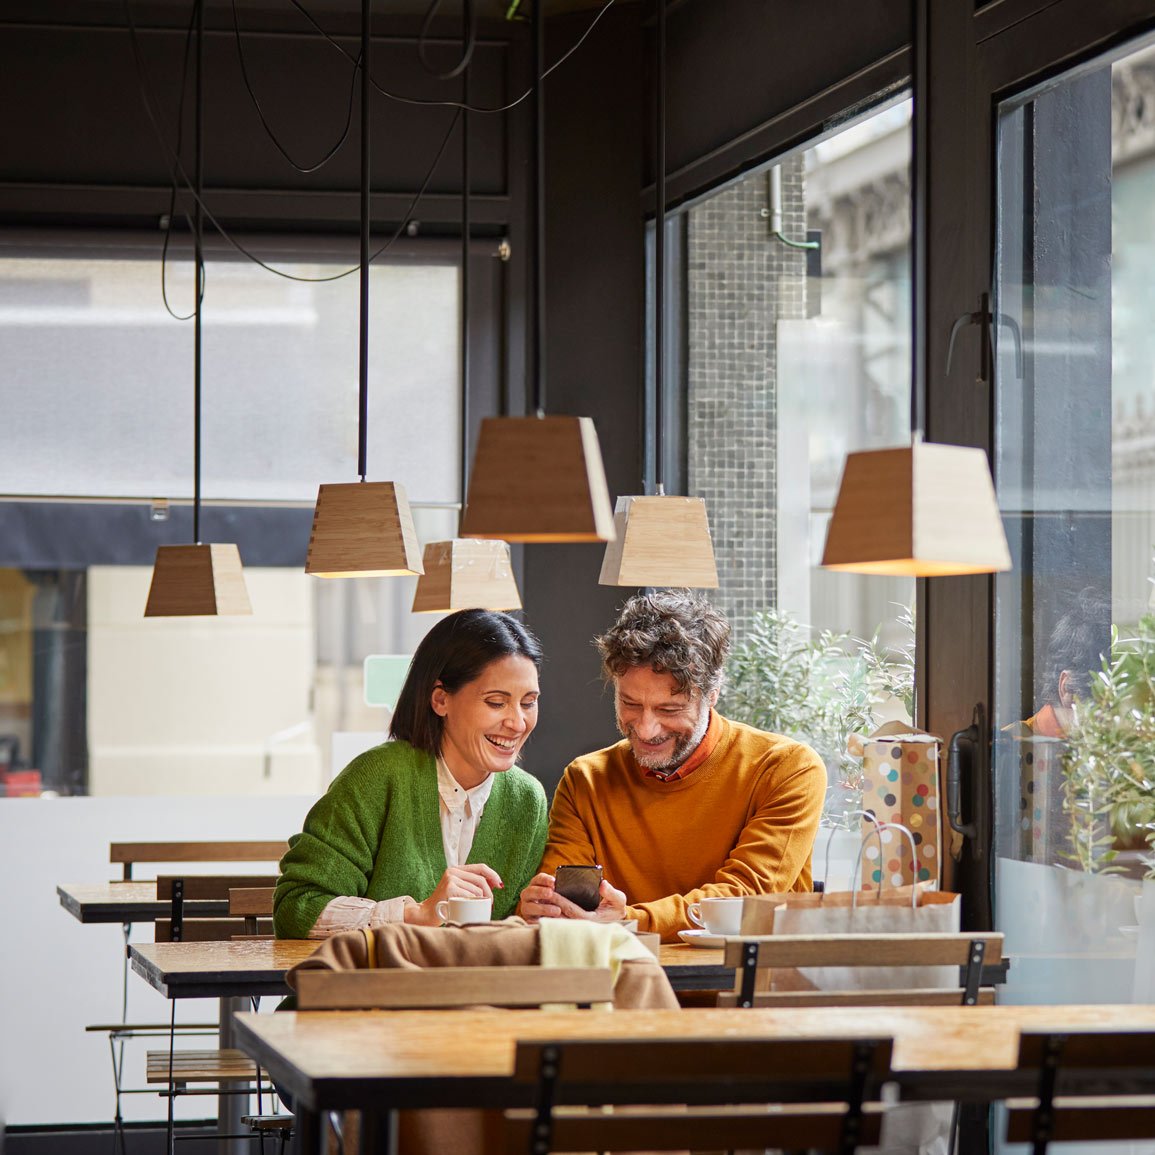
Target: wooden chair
(700, 1094)
(251, 904)
(976, 955)
(1088, 1087)
(442, 987)
(178, 890)
(131, 853)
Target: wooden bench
(756, 954)
(1090, 1087)
(703, 1095)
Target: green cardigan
(376, 834)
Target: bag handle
(879, 827)
(870, 816)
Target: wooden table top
(339, 1059)
(134, 901)
(257, 967)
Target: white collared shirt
(460, 812)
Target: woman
(441, 811)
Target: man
(689, 805)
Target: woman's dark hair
(454, 653)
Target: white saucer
(1125, 931)
(702, 938)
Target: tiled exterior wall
(741, 282)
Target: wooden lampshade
(197, 580)
(661, 541)
(363, 529)
(928, 510)
(538, 479)
(466, 574)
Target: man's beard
(684, 746)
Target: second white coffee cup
(465, 910)
(718, 915)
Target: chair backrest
(733, 1079)
(184, 924)
(251, 903)
(130, 853)
(977, 956)
(1099, 1076)
(394, 988)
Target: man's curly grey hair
(673, 631)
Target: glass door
(1074, 708)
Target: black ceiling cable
(457, 103)
(175, 183)
(181, 176)
(306, 168)
(469, 42)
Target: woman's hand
(539, 899)
(473, 881)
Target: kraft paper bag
(916, 911)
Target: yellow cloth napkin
(569, 942)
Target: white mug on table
(717, 915)
(465, 910)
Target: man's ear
(712, 698)
(439, 700)
(1066, 690)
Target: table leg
(379, 1132)
(231, 1107)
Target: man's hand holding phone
(544, 897)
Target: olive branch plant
(821, 687)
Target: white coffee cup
(465, 910)
(718, 915)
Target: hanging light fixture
(539, 478)
(197, 579)
(926, 510)
(465, 573)
(363, 528)
(661, 540)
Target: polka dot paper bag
(900, 785)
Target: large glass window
(97, 402)
(1074, 767)
(798, 332)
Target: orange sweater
(743, 823)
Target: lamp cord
(537, 207)
(920, 47)
(468, 42)
(659, 241)
(198, 262)
(363, 330)
(465, 237)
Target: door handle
(963, 740)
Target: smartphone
(580, 884)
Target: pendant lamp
(660, 540)
(197, 579)
(465, 573)
(923, 510)
(362, 528)
(539, 478)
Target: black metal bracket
(974, 971)
(1044, 1121)
(749, 973)
(852, 1120)
(177, 909)
(542, 1134)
